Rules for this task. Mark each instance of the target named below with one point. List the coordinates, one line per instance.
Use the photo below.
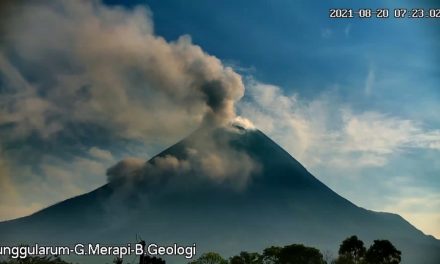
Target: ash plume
(69, 66)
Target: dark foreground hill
(278, 203)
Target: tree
(344, 259)
(271, 255)
(246, 258)
(328, 257)
(383, 252)
(351, 251)
(210, 258)
(118, 260)
(300, 254)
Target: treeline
(351, 251)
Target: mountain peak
(227, 189)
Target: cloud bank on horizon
(66, 67)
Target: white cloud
(322, 133)
(101, 154)
(105, 66)
(337, 145)
(278, 115)
(243, 122)
(373, 132)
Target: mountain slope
(279, 203)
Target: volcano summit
(226, 189)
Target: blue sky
(387, 66)
(355, 100)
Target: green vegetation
(351, 251)
(210, 258)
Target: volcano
(278, 203)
